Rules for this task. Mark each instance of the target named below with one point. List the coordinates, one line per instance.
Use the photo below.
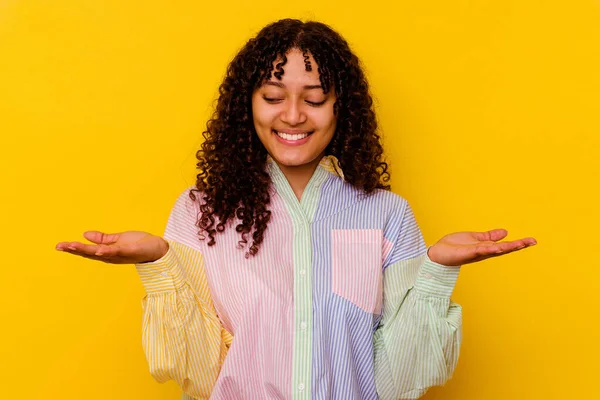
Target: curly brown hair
(233, 181)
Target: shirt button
(303, 326)
(165, 274)
(301, 387)
(427, 275)
(302, 272)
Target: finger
(496, 249)
(109, 254)
(79, 248)
(64, 246)
(61, 246)
(494, 235)
(100, 237)
(106, 259)
(109, 250)
(517, 244)
(95, 258)
(82, 248)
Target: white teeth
(287, 136)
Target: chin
(292, 161)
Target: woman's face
(293, 117)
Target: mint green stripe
(416, 289)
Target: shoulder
(394, 210)
(187, 202)
(182, 224)
(390, 198)
(385, 201)
(190, 196)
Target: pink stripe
(387, 248)
(356, 267)
(257, 293)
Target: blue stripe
(343, 353)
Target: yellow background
(490, 114)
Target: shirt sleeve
(182, 336)
(418, 338)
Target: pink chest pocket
(357, 268)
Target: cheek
(325, 121)
(263, 116)
(258, 111)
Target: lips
(292, 135)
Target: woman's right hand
(131, 247)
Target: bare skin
(295, 106)
(462, 248)
(133, 247)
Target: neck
(299, 176)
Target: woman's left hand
(462, 248)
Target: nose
(293, 113)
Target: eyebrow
(281, 85)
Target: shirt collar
(303, 211)
(329, 163)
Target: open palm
(118, 248)
(468, 247)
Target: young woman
(290, 270)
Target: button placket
(303, 309)
(302, 213)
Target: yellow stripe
(182, 336)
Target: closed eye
(271, 99)
(275, 100)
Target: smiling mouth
(294, 136)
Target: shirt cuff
(162, 275)
(436, 279)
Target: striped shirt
(340, 302)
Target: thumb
(491, 236)
(100, 237)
